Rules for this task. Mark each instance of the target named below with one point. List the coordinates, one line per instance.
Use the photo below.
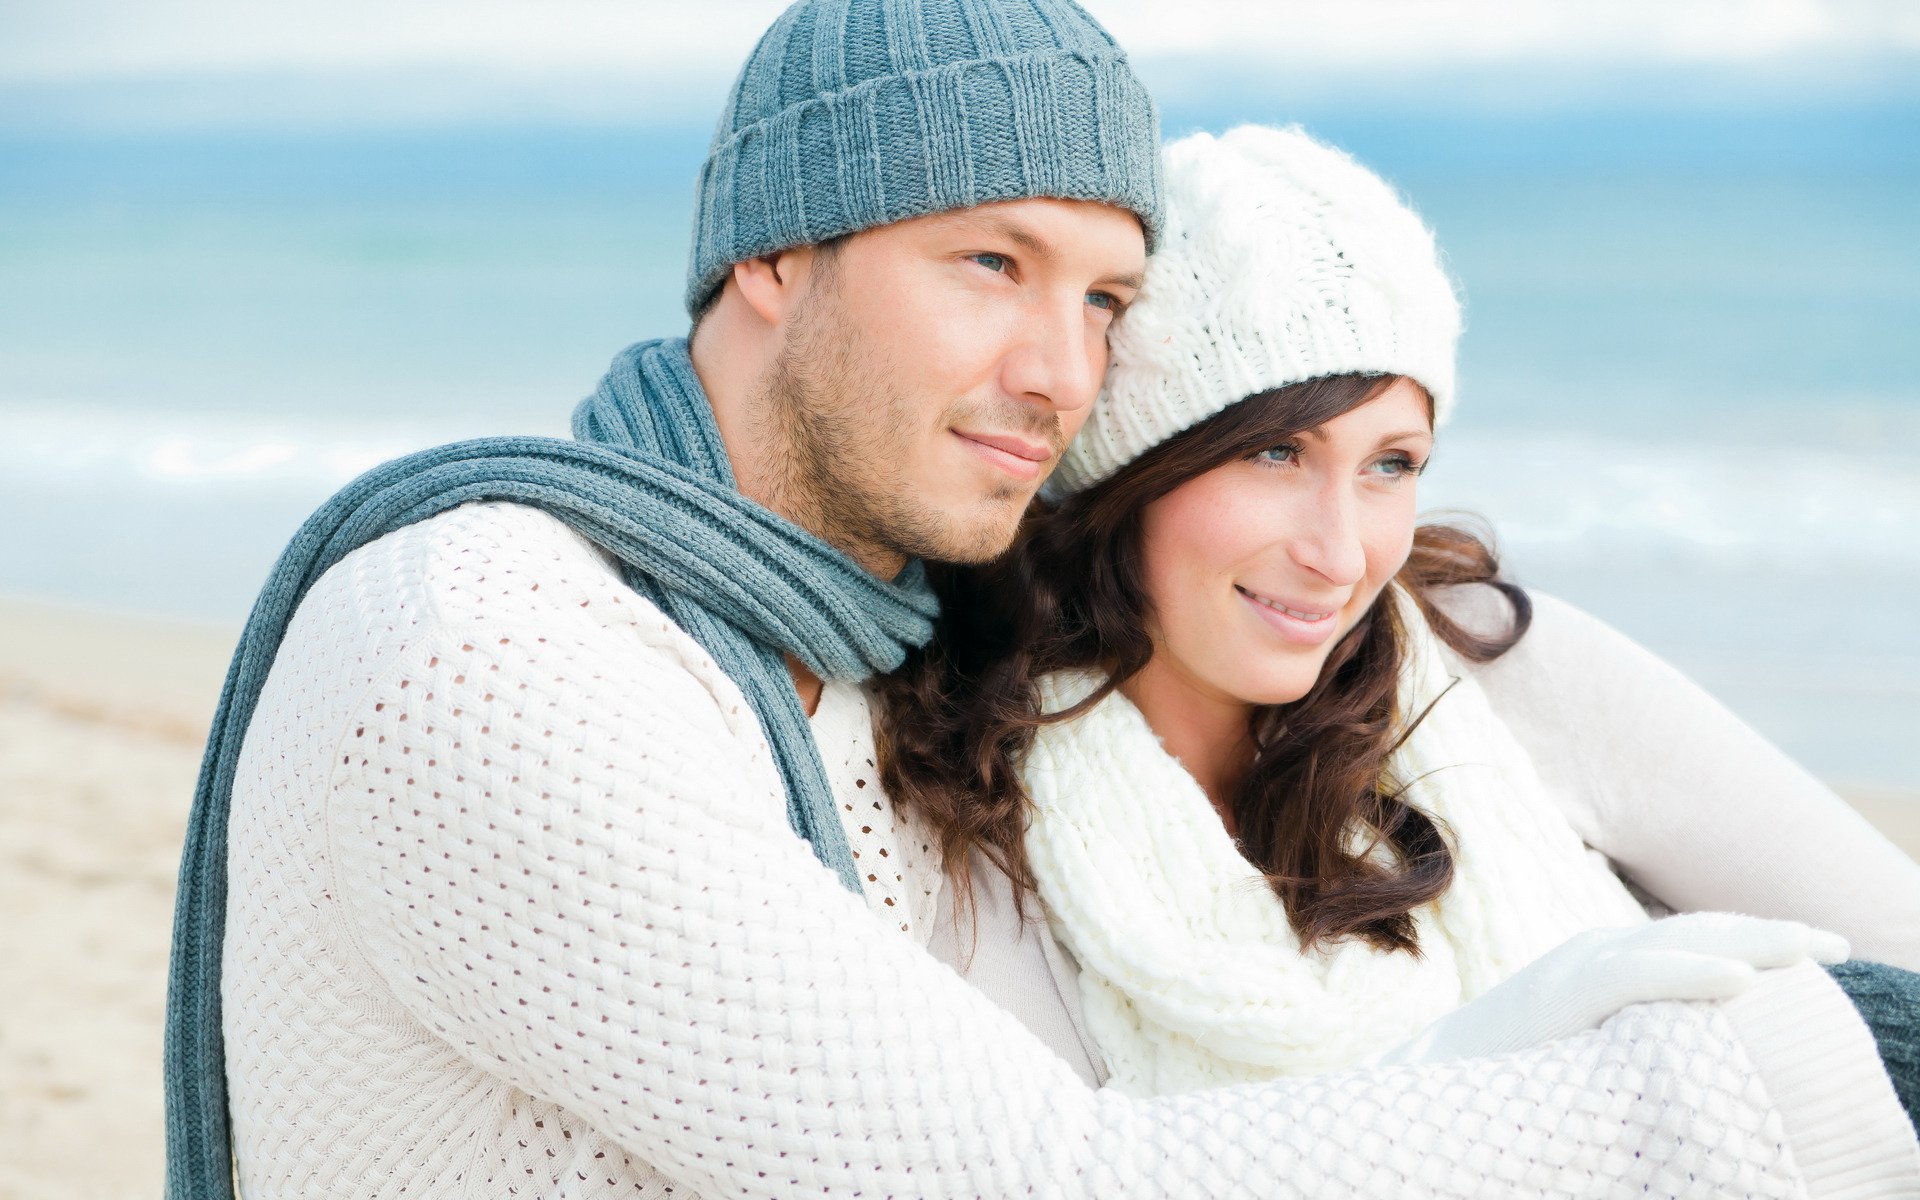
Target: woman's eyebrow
(1405, 434)
(1319, 434)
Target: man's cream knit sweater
(515, 910)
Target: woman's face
(1255, 569)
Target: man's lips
(1020, 457)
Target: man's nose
(1051, 360)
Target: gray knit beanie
(856, 113)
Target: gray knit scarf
(647, 480)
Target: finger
(1828, 948)
(1754, 940)
(1678, 975)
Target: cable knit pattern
(1282, 260)
(1190, 972)
(516, 910)
(1524, 881)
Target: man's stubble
(840, 430)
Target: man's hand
(1586, 979)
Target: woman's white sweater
(515, 910)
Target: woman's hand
(1586, 979)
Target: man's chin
(966, 540)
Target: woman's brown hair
(1318, 806)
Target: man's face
(937, 367)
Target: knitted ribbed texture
(1888, 1000)
(1282, 260)
(648, 480)
(517, 911)
(1839, 1109)
(856, 113)
(1192, 974)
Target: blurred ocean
(1690, 398)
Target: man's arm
(1684, 796)
(558, 857)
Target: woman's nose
(1328, 539)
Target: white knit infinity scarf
(1191, 976)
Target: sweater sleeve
(560, 856)
(1683, 796)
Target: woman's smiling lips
(1017, 456)
(1301, 624)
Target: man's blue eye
(992, 262)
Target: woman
(1289, 773)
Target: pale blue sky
(187, 61)
(42, 39)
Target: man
(517, 901)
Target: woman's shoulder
(1573, 687)
(1560, 636)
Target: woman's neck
(1208, 732)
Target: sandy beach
(101, 724)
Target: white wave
(1550, 497)
(70, 444)
(1780, 507)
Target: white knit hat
(1281, 260)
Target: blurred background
(247, 251)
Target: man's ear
(774, 283)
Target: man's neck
(806, 683)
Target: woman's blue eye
(1277, 454)
(992, 262)
(1103, 301)
(1398, 465)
